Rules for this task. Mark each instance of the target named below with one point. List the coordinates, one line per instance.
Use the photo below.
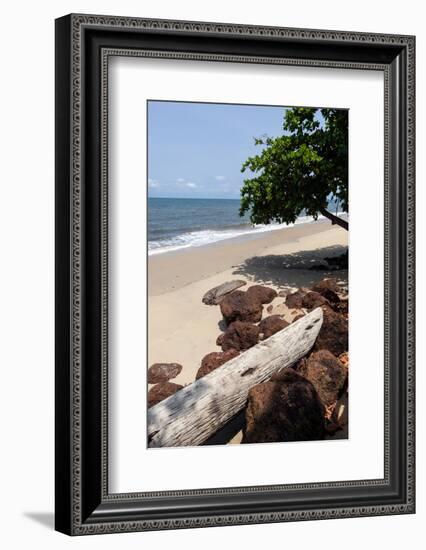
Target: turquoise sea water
(181, 223)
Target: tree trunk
(195, 413)
(335, 220)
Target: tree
(302, 170)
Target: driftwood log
(215, 295)
(193, 414)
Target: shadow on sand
(294, 270)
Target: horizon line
(198, 198)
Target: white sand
(183, 330)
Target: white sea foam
(207, 236)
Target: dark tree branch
(335, 219)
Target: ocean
(174, 224)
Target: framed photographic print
(213, 288)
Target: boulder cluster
(307, 401)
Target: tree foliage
(301, 170)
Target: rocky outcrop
(262, 293)
(219, 339)
(240, 336)
(334, 332)
(270, 325)
(163, 372)
(241, 306)
(214, 360)
(295, 300)
(161, 391)
(341, 307)
(286, 408)
(326, 284)
(215, 295)
(312, 300)
(327, 374)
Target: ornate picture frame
(84, 44)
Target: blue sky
(195, 150)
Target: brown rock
(241, 306)
(270, 308)
(271, 325)
(330, 295)
(214, 360)
(215, 295)
(326, 373)
(326, 284)
(219, 339)
(161, 391)
(240, 336)
(333, 334)
(341, 307)
(298, 317)
(262, 293)
(295, 300)
(284, 409)
(344, 359)
(162, 372)
(312, 300)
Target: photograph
(211, 284)
(248, 273)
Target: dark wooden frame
(83, 46)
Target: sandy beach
(183, 330)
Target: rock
(330, 289)
(271, 325)
(161, 391)
(330, 295)
(298, 317)
(334, 332)
(327, 284)
(214, 360)
(294, 300)
(262, 293)
(344, 359)
(241, 306)
(312, 300)
(286, 408)
(283, 293)
(326, 373)
(270, 308)
(162, 372)
(341, 307)
(219, 339)
(240, 336)
(215, 295)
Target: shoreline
(196, 263)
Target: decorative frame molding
(84, 43)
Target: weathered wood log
(193, 414)
(215, 295)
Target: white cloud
(191, 184)
(180, 180)
(220, 178)
(153, 183)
